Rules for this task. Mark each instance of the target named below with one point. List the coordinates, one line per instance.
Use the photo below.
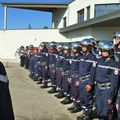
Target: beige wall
(10, 40)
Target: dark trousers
(22, 61)
(53, 76)
(59, 78)
(104, 111)
(6, 110)
(44, 73)
(86, 98)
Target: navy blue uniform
(105, 74)
(52, 63)
(65, 71)
(117, 55)
(85, 65)
(6, 110)
(31, 65)
(37, 68)
(59, 64)
(44, 65)
(73, 74)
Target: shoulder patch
(56, 56)
(46, 54)
(70, 61)
(116, 71)
(94, 64)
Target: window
(88, 13)
(105, 8)
(64, 21)
(81, 15)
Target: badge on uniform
(94, 64)
(46, 54)
(56, 56)
(116, 71)
(70, 61)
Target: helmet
(21, 47)
(42, 44)
(66, 47)
(106, 45)
(86, 42)
(31, 46)
(59, 46)
(53, 44)
(75, 45)
(92, 40)
(117, 35)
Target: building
(71, 21)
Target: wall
(10, 40)
(58, 16)
(79, 35)
(99, 33)
(104, 33)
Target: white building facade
(70, 22)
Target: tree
(45, 27)
(29, 27)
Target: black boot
(67, 100)
(44, 85)
(53, 90)
(39, 81)
(31, 76)
(72, 107)
(76, 109)
(86, 115)
(35, 78)
(60, 95)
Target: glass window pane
(81, 16)
(106, 8)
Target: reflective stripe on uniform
(74, 60)
(89, 61)
(3, 78)
(108, 67)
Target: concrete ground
(30, 102)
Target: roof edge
(33, 3)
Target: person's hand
(63, 74)
(53, 71)
(88, 88)
(69, 80)
(117, 106)
(109, 101)
(46, 67)
(77, 83)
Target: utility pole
(5, 18)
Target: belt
(43, 63)
(59, 68)
(74, 75)
(85, 78)
(104, 85)
(66, 72)
(51, 66)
